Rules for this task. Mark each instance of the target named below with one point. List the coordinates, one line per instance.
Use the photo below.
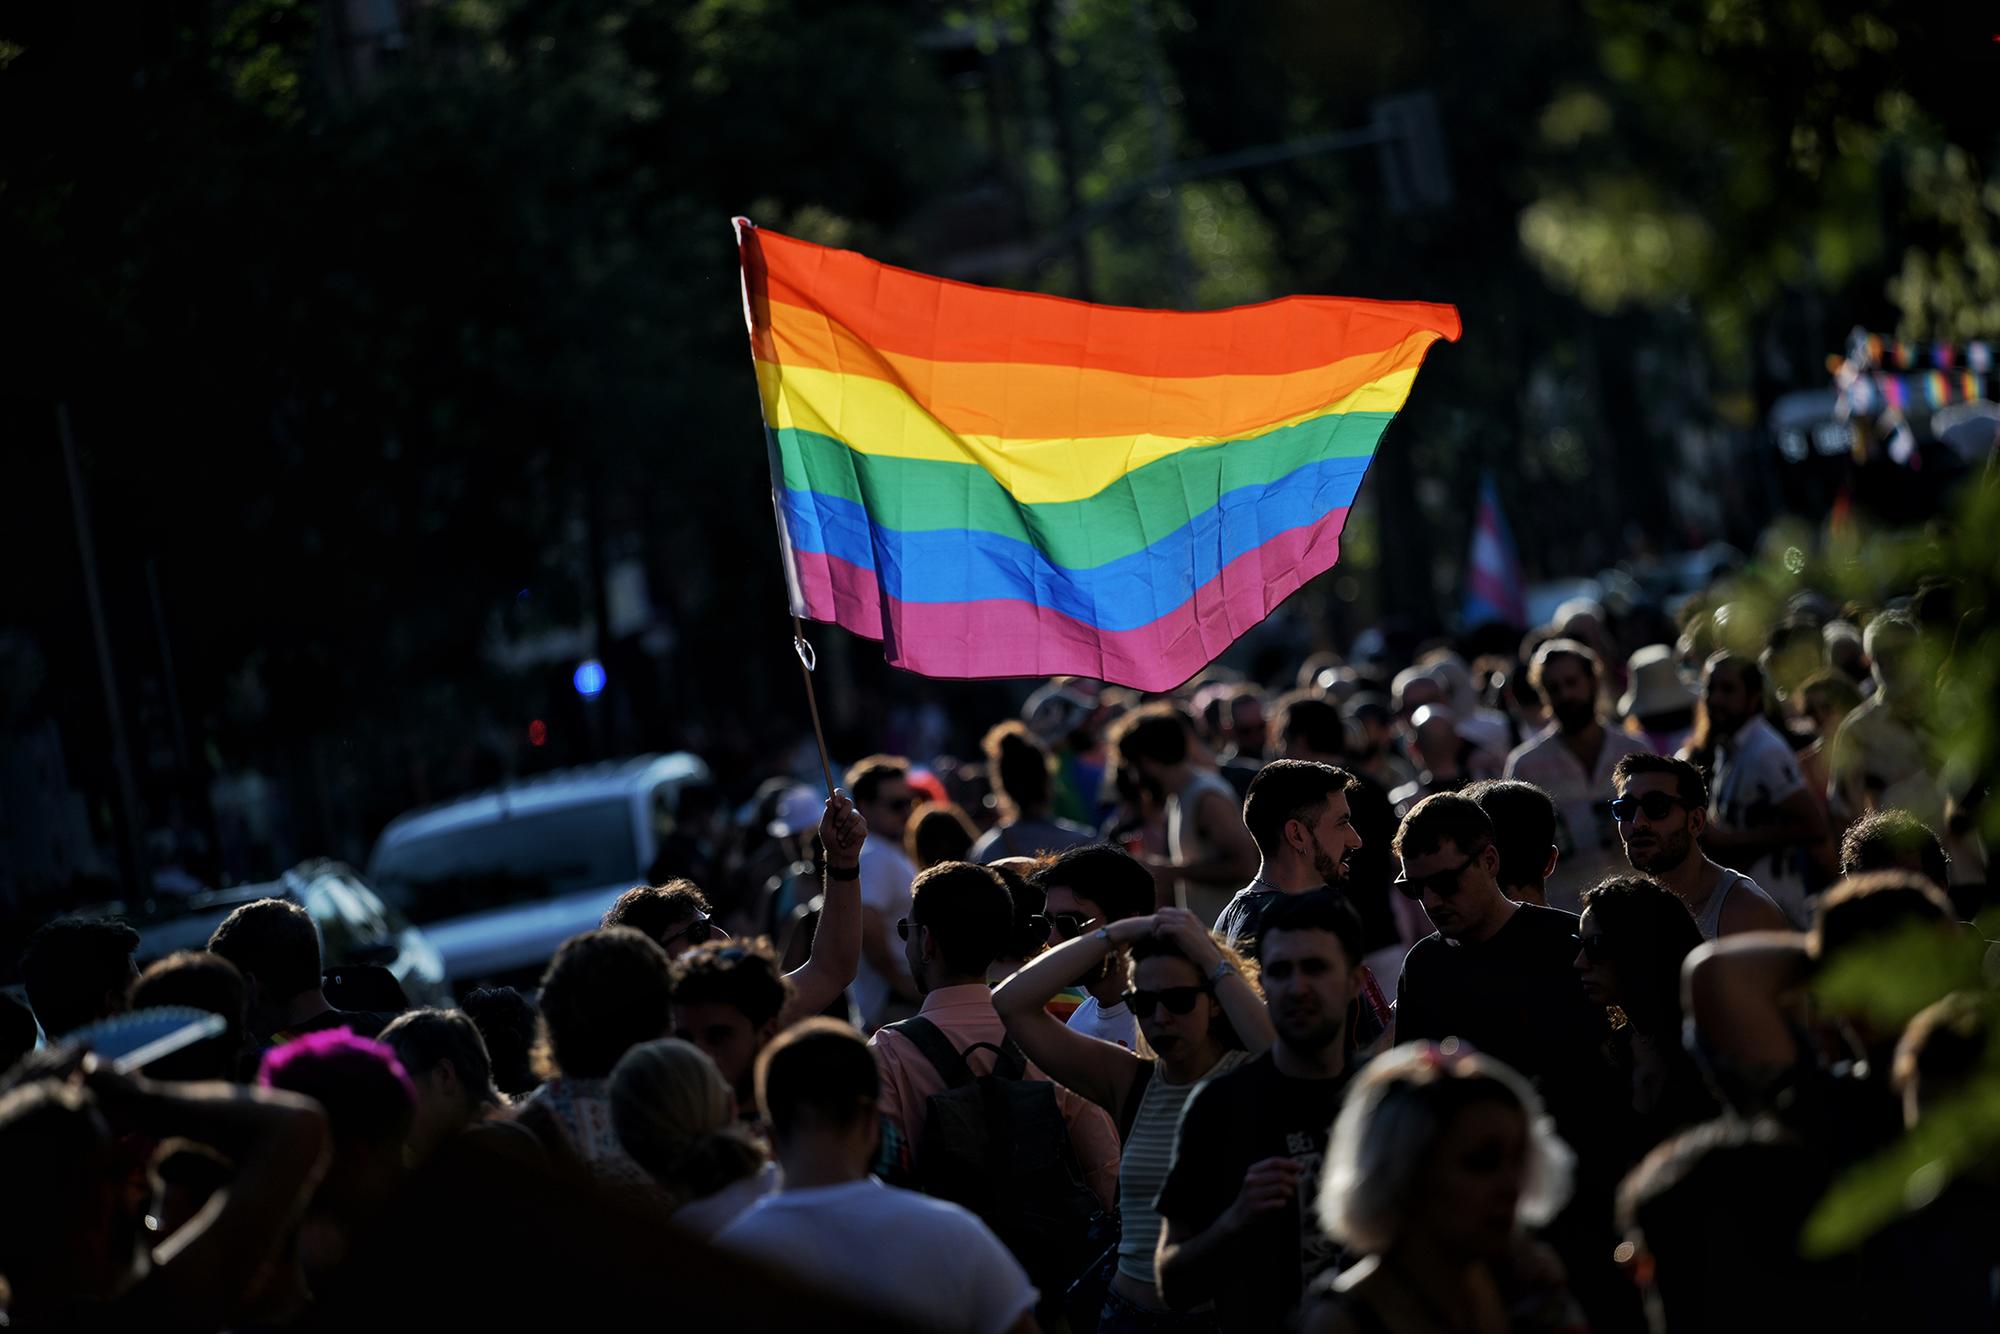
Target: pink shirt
(965, 1014)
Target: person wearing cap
(1658, 704)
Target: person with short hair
(206, 982)
(1022, 774)
(729, 1001)
(77, 970)
(676, 915)
(1298, 817)
(275, 945)
(675, 1114)
(1209, 852)
(938, 831)
(1760, 815)
(1236, 1206)
(1572, 760)
(960, 918)
(880, 788)
(509, 1024)
(1438, 1160)
(1741, 991)
(925, 1261)
(1662, 811)
(369, 1104)
(1524, 830)
(1500, 974)
(605, 992)
(1894, 840)
(1087, 887)
(446, 1060)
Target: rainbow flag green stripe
(923, 495)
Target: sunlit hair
(675, 1116)
(1395, 1114)
(1166, 947)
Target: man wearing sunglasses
(1661, 809)
(1496, 973)
(880, 787)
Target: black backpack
(996, 1144)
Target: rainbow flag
(1001, 483)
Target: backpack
(996, 1144)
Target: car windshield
(521, 858)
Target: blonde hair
(676, 1117)
(1395, 1113)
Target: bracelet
(1223, 968)
(842, 872)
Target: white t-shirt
(1113, 1023)
(885, 886)
(929, 1262)
(1754, 771)
(709, 1215)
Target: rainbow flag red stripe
(1005, 483)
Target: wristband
(1223, 968)
(842, 872)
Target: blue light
(589, 678)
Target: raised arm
(836, 947)
(278, 1142)
(1098, 1070)
(1247, 1012)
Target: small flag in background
(1004, 483)
(1492, 570)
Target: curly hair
(605, 992)
(742, 974)
(1165, 947)
(1647, 934)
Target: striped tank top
(1143, 1164)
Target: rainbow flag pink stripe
(1010, 484)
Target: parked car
(500, 878)
(355, 926)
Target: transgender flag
(1001, 483)
(1492, 572)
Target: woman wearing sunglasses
(1633, 937)
(1199, 1014)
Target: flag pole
(807, 662)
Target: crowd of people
(1414, 997)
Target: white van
(499, 879)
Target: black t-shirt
(1517, 998)
(1231, 1123)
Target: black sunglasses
(1593, 948)
(695, 932)
(1178, 1000)
(903, 925)
(1070, 924)
(1444, 883)
(1653, 805)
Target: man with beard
(1572, 761)
(1662, 809)
(1299, 815)
(1239, 1226)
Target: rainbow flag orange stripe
(1005, 483)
